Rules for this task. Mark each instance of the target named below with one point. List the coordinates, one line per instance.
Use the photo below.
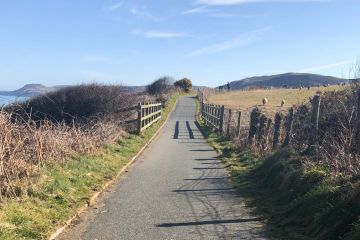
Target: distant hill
(288, 79)
(30, 90)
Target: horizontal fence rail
(148, 114)
(142, 115)
(213, 116)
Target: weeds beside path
(58, 191)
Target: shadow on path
(204, 190)
(191, 134)
(241, 220)
(176, 134)
(206, 178)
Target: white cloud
(159, 34)
(240, 41)
(327, 66)
(143, 12)
(94, 58)
(211, 12)
(116, 6)
(237, 2)
(199, 10)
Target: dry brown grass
(25, 146)
(245, 101)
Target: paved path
(177, 189)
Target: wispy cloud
(116, 6)
(240, 41)
(211, 12)
(237, 2)
(145, 13)
(95, 58)
(327, 66)
(197, 10)
(159, 34)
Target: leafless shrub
(80, 105)
(24, 146)
(337, 132)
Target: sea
(5, 100)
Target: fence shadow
(176, 133)
(191, 134)
(219, 221)
(208, 168)
(204, 190)
(205, 178)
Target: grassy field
(245, 101)
(59, 190)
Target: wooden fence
(261, 126)
(213, 116)
(147, 115)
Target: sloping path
(177, 189)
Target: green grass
(298, 201)
(59, 190)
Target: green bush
(161, 86)
(185, 84)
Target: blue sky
(133, 42)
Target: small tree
(184, 84)
(160, 86)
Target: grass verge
(299, 199)
(59, 190)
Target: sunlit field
(246, 100)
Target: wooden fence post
(222, 111)
(262, 127)
(238, 125)
(139, 120)
(289, 126)
(228, 124)
(277, 128)
(267, 132)
(254, 120)
(315, 113)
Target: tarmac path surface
(177, 189)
